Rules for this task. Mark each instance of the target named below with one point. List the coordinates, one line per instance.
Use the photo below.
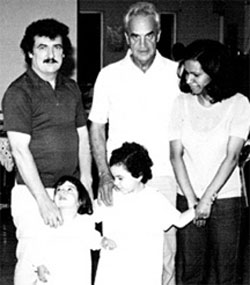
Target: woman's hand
(202, 211)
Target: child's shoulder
(84, 219)
(153, 193)
(156, 196)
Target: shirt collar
(38, 80)
(130, 62)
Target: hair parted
(142, 9)
(83, 195)
(50, 28)
(215, 61)
(135, 159)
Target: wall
(194, 19)
(15, 16)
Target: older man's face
(142, 38)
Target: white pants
(27, 219)
(168, 187)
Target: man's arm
(27, 167)
(98, 144)
(85, 159)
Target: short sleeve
(176, 119)
(240, 124)
(100, 104)
(81, 115)
(17, 110)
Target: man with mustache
(46, 127)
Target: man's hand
(50, 213)
(105, 189)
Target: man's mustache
(50, 60)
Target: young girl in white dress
(62, 255)
(136, 222)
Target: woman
(208, 128)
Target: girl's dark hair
(215, 60)
(83, 195)
(50, 28)
(135, 158)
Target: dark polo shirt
(51, 118)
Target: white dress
(65, 251)
(136, 223)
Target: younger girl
(135, 222)
(62, 255)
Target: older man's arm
(98, 144)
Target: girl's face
(66, 196)
(123, 179)
(196, 78)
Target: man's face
(142, 38)
(47, 56)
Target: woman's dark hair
(50, 28)
(83, 195)
(135, 158)
(215, 61)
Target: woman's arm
(223, 173)
(176, 158)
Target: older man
(134, 97)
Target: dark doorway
(167, 34)
(89, 52)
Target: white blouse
(204, 133)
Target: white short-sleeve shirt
(137, 106)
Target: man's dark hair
(50, 28)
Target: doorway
(90, 52)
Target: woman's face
(196, 78)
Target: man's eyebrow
(148, 34)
